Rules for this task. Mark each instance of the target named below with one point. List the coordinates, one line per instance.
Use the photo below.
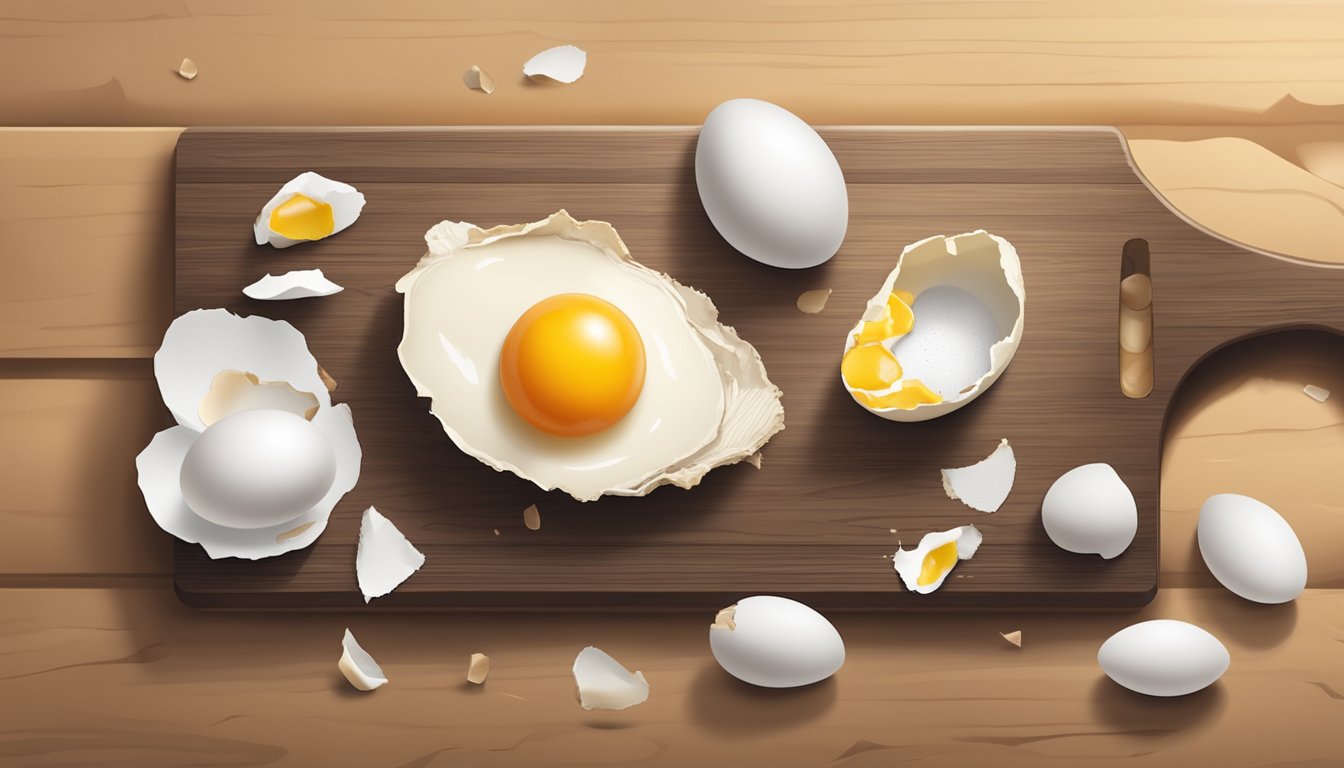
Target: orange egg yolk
(302, 218)
(572, 365)
(937, 563)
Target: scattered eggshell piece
(1014, 637)
(298, 284)
(235, 391)
(496, 531)
(478, 79)
(1319, 394)
(478, 668)
(188, 69)
(985, 485)
(563, 63)
(812, 302)
(532, 518)
(385, 557)
(358, 666)
(604, 684)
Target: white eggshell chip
(385, 557)
(770, 185)
(775, 642)
(308, 207)
(299, 284)
(985, 485)
(1090, 510)
(254, 469)
(1163, 658)
(925, 568)
(604, 684)
(705, 401)
(1251, 549)
(563, 63)
(358, 666)
(940, 331)
(260, 451)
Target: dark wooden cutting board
(815, 521)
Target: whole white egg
(255, 469)
(1090, 510)
(775, 642)
(1251, 549)
(770, 185)
(1163, 658)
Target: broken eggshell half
(603, 683)
(942, 329)
(241, 387)
(707, 403)
(308, 207)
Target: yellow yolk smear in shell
(912, 393)
(572, 365)
(937, 563)
(896, 320)
(302, 218)
(871, 366)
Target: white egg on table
(1163, 657)
(1090, 510)
(1251, 549)
(770, 185)
(255, 469)
(775, 642)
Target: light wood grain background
(1232, 110)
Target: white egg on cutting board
(1090, 510)
(770, 185)
(775, 642)
(1251, 549)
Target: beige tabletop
(1234, 111)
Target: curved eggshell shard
(298, 284)
(358, 666)
(604, 684)
(200, 344)
(970, 292)
(385, 557)
(985, 485)
(563, 64)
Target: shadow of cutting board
(816, 520)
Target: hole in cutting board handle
(1136, 320)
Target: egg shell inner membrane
(948, 349)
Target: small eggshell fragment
(563, 64)
(1014, 638)
(478, 79)
(298, 284)
(604, 684)
(775, 642)
(770, 184)
(188, 70)
(1163, 658)
(478, 668)
(1090, 510)
(1251, 549)
(385, 557)
(985, 485)
(358, 666)
(255, 469)
(532, 518)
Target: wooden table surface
(1233, 110)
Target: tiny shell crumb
(1014, 637)
(532, 518)
(892, 531)
(478, 668)
(478, 79)
(1319, 394)
(496, 531)
(188, 70)
(755, 459)
(812, 302)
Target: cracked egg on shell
(925, 568)
(260, 456)
(308, 207)
(547, 351)
(941, 330)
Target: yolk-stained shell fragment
(942, 329)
